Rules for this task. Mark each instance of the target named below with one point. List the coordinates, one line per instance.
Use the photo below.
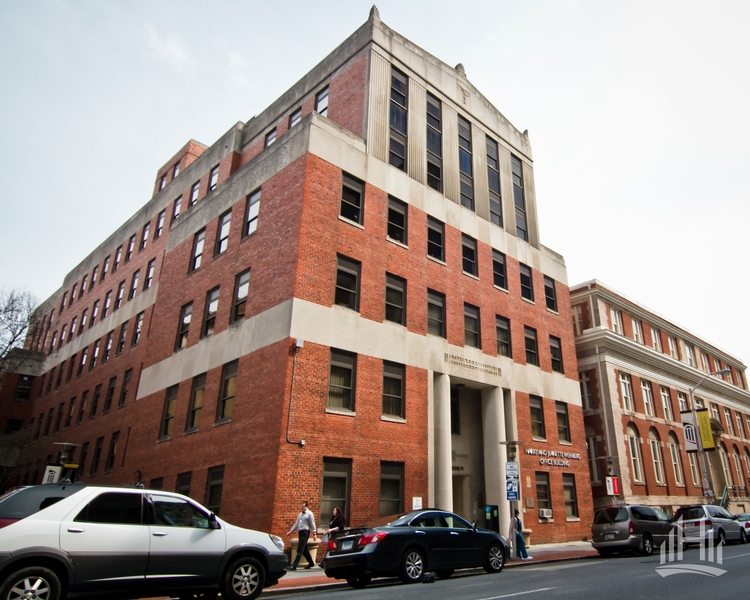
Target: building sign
(472, 365)
(703, 429)
(512, 477)
(52, 474)
(613, 485)
(553, 458)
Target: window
(144, 237)
(342, 380)
(352, 192)
(48, 423)
(58, 420)
(537, 417)
(196, 403)
(636, 464)
(674, 453)
(569, 493)
(434, 143)
(519, 198)
(503, 336)
(176, 208)
(72, 295)
(194, 193)
(82, 362)
(105, 268)
(214, 485)
(498, 270)
(527, 282)
(72, 328)
(63, 301)
(82, 461)
(52, 342)
(563, 424)
(149, 274)
(648, 398)
(393, 389)
(435, 239)
(592, 452)
(131, 247)
(183, 326)
(550, 295)
(239, 302)
(656, 340)
(176, 169)
(157, 483)
(222, 233)
(252, 208)
(209, 315)
(95, 401)
(740, 430)
(395, 299)
(125, 390)
(107, 354)
(167, 418)
(82, 407)
(159, 229)
(107, 302)
(666, 403)
(435, 313)
(397, 213)
(335, 492)
(22, 390)
(111, 458)
(674, 350)
(270, 138)
(226, 393)
(321, 102)
(97, 456)
(654, 445)
(398, 116)
(122, 338)
(134, 284)
(110, 395)
(347, 283)
(728, 421)
(197, 253)
(162, 182)
(690, 356)
(60, 374)
(84, 316)
(71, 366)
(543, 499)
(637, 331)
(683, 401)
(83, 286)
(137, 329)
(493, 182)
(472, 335)
(391, 488)
(469, 255)
(532, 352)
(120, 295)
(183, 483)
(466, 170)
(94, 274)
(295, 117)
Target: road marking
(736, 556)
(518, 594)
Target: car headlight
(278, 541)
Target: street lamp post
(704, 465)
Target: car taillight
(371, 538)
(747, 524)
(6, 522)
(331, 545)
(631, 529)
(707, 522)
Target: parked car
(744, 520)
(410, 545)
(706, 523)
(69, 541)
(630, 527)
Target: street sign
(511, 490)
(512, 483)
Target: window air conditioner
(545, 513)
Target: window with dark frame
(196, 403)
(157, 483)
(347, 283)
(137, 329)
(321, 102)
(209, 314)
(398, 119)
(96, 457)
(48, 423)
(123, 337)
(125, 390)
(82, 361)
(194, 191)
(197, 254)
(144, 237)
(134, 285)
(352, 198)
(84, 281)
(183, 483)
(69, 416)
(213, 179)
(176, 208)
(222, 233)
(107, 353)
(94, 275)
(434, 143)
(472, 336)
(120, 295)
(110, 395)
(158, 230)
(342, 379)
(502, 326)
(95, 401)
(118, 257)
(71, 367)
(532, 349)
(82, 461)
(105, 269)
(391, 488)
(435, 239)
(214, 485)
(469, 255)
(58, 419)
(435, 313)
(225, 404)
(563, 423)
(295, 117)
(176, 169)
(519, 198)
(543, 498)
(569, 494)
(110, 463)
(239, 302)
(270, 138)
(183, 326)
(555, 349)
(536, 408)
(393, 389)
(493, 182)
(550, 293)
(527, 282)
(131, 247)
(82, 407)
(397, 220)
(149, 274)
(252, 209)
(498, 270)
(84, 316)
(395, 299)
(167, 418)
(107, 302)
(162, 182)
(465, 167)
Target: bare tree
(16, 319)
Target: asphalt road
(617, 578)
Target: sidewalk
(315, 578)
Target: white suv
(708, 524)
(133, 543)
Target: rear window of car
(19, 504)
(613, 514)
(744, 517)
(692, 512)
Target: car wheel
(198, 595)
(412, 566)
(243, 580)
(359, 581)
(495, 559)
(32, 582)
(444, 573)
(743, 537)
(647, 546)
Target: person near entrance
(516, 534)
(304, 526)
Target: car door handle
(72, 530)
(159, 534)
(454, 533)
(420, 532)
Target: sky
(638, 114)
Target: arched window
(654, 444)
(674, 454)
(636, 463)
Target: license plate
(609, 536)
(347, 544)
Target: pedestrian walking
(337, 523)
(304, 526)
(516, 534)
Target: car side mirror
(212, 522)
(474, 525)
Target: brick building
(344, 299)
(638, 372)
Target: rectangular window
(295, 117)
(527, 282)
(176, 208)
(82, 461)
(690, 356)
(398, 118)
(94, 274)
(532, 350)
(434, 143)
(626, 391)
(183, 326)
(197, 254)
(83, 285)
(519, 198)
(536, 407)
(469, 255)
(122, 338)
(252, 209)
(95, 401)
(73, 328)
(435, 313)
(321, 103)
(58, 420)
(682, 402)
(656, 341)
(167, 417)
(498, 270)
(214, 485)
(666, 403)
(162, 182)
(63, 301)
(569, 493)
(502, 326)
(222, 233)
(391, 488)
(131, 247)
(239, 302)
(107, 354)
(586, 396)
(550, 294)
(144, 236)
(435, 239)
(96, 457)
(543, 499)
(648, 398)
(183, 483)
(347, 283)
(728, 420)
(107, 302)
(120, 295)
(493, 182)
(270, 138)
(148, 282)
(196, 403)
(105, 268)
(637, 331)
(82, 362)
(674, 350)
(60, 374)
(352, 198)
(176, 169)
(48, 423)
(137, 329)
(112, 452)
(110, 395)
(125, 390)
(563, 425)
(159, 229)
(342, 380)
(555, 349)
(226, 394)
(82, 407)
(194, 191)
(209, 313)
(22, 391)
(134, 284)
(472, 336)
(465, 167)
(82, 326)
(395, 299)
(393, 389)
(397, 213)
(71, 366)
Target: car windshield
(612, 514)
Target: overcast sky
(638, 114)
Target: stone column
(495, 454)
(443, 447)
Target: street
(617, 578)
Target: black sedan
(410, 545)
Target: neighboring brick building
(637, 371)
(344, 299)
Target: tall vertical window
(197, 254)
(134, 284)
(110, 396)
(209, 314)
(125, 390)
(167, 418)
(82, 407)
(519, 198)
(527, 282)
(321, 102)
(84, 316)
(159, 229)
(82, 461)
(656, 341)
(107, 353)
(615, 317)
(252, 208)
(95, 401)
(398, 117)
(469, 255)
(550, 294)
(472, 336)
(109, 465)
(176, 169)
(648, 398)
(347, 283)
(63, 301)
(498, 270)
(335, 492)
(435, 239)
(493, 182)
(536, 408)
(196, 403)
(183, 327)
(637, 331)
(586, 396)
(82, 361)
(395, 299)
(222, 233)
(73, 328)
(342, 380)
(84, 281)
(682, 401)
(569, 494)
(226, 394)
(352, 198)
(393, 389)
(654, 445)
(176, 208)
(502, 325)
(391, 488)
(137, 329)
(728, 421)
(666, 403)
(183, 483)
(434, 143)
(532, 349)
(95, 354)
(555, 350)
(239, 302)
(120, 295)
(740, 428)
(94, 274)
(465, 167)
(58, 420)
(435, 313)
(96, 457)
(674, 454)
(543, 498)
(69, 416)
(122, 338)
(148, 281)
(626, 391)
(270, 138)
(162, 182)
(397, 213)
(194, 191)
(131, 247)
(674, 350)
(144, 236)
(592, 452)
(563, 423)
(634, 446)
(214, 485)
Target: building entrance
(467, 443)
